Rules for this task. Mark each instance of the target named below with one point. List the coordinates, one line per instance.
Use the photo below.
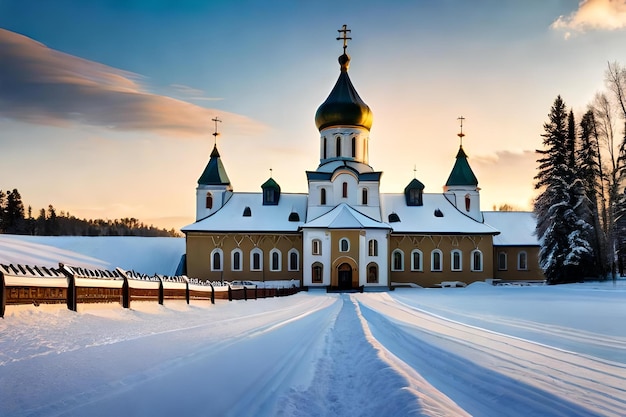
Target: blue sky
(106, 106)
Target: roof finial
(415, 172)
(344, 31)
(216, 134)
(271, 172)
(461, 134)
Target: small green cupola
(413, 193)
(214, 173)
(271, 192)
(462, 174)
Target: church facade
(344, 233)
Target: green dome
(343, 106)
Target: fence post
(125, 293)
(245, 293)
(187, 297)
(230, 293)
(256, 295)
(161, 291)
(212, 293)
(3, 299)
(72, 298)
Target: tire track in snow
(597, 385)
(354, 378)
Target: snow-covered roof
(516, 227)
(269, 218)
(422, 219)
(345, 217)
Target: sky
(106, 105)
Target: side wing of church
(344, 233)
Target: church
(344, 233)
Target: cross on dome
(344, 31)
(216, 134)
(461, 134)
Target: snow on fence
(23, 284)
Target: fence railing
(70, 285)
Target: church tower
(214, 188)
(344, 174)
(461, 189)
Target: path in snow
(512, 376)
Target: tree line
(581, 171)
(14, 219)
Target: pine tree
(14, 213)
(563, 233)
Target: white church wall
(308, 258)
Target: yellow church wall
(512, 271)
(446, 244)
(351, 257)
(201, 245)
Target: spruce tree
(565, 251)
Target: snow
(481, 350)
(147, 255)
(517, 228)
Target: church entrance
(345, 277)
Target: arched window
(294, 260)
(416, 260)
(275, 257)
(216, 260)
(323, 196)
(502, 261)
(397, 260)
(324, 155)
(317, 270)
(522, 261)
(338, 145)
(235, 260)
(372, 273)
(456, 262)
(477, 260)
(372, 247)
(256, 259)
(468, 202)
(436, 259)
(316, 247)
(209, 200)
(344, 245)
(364, 196)
(344, 193)
(353, 147)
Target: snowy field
(480, 350)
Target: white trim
(221, 254)
(519, 265)
(293, 250)
(280, 260)
(432, 260)
(506, 261)
(419, 267)
(456, 252)
(232, 259)
(393, 263)
(252, 252)
(482, 261)
(344, 239)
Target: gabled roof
(263, 218)
(516, 227)
(461, 173)
(422, 219)
(345, 217)
(214, 173)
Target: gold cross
(344, 31)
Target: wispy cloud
(44, 86)
(593, 15)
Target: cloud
(43, 86)
(593, 15)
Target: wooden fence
(23, 284)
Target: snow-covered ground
(480, 350)
(147, 255)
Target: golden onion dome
(343, 107)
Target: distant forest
(15, 220)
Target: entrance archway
(344, 274)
